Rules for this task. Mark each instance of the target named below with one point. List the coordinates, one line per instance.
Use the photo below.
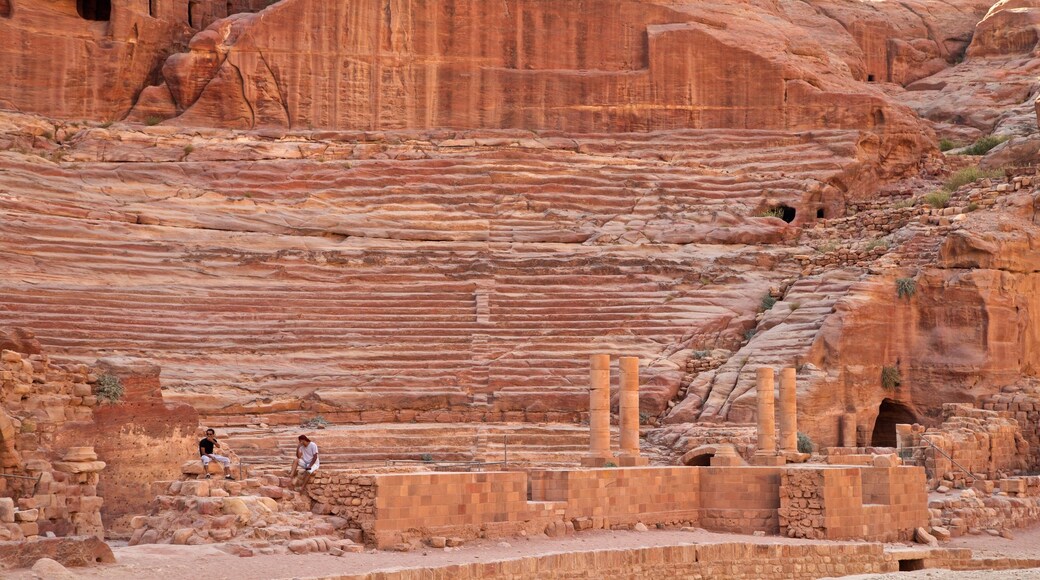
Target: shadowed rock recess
(358, 213)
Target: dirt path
(195, 562)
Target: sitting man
(206, 453)
(307, 459)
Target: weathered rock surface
(69, 551)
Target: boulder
(70, 551)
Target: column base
(768, 460)
(632, 461)
(592, 461)
(730, 460)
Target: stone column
(628, 407)
(848, 430)
(599, 411)
(788, 412)
(766, 417)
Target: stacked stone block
(983, 444)
(347, 495)
(1022, 403)
(833, 503)
(57, 489)
(1014, 503)
(259, 512)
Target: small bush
(699, 354)
(426, 457)
(610, 464)
(947, 144)
(938, 199)
(805, 444)
(984, 144)
(828, 247)
(774, 212)
(905, 287)
(878, 243)
(890, 378)
(768, 302)
(908, 202)
(109, 389)
(188, 149)
(749, 334)
(151, 120)
(968, 175)
(794, 306)
(316, 422)
(971, 207)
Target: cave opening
(890, 414)
(787, 213)
(821, 213)
(100, 10)
(870, 78)
(702, 460)
(5, 8)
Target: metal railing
(953, 461)
(35, 480)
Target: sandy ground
(196, 562)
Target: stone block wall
(411, 506)
(1015, 504)
(619, 497)
(982, 444)
(347, 495)
(740, 499)
(836, 503)
(55, 485)
(1022, 403)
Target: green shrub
(968, 175)
(938, 199)
(316, 422)
(426, 457)
(775, 212)
(971, 207)
(984, 144)
(749, 334)
(699, 354)
(890, 378)
(188, 149)
(152, 120)
(109, 388)
(610, 464)
(794, 306)
(768, 302)
(947, 144)
(805, 444)
(908, 202)
(905, 287)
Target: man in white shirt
(306, 459)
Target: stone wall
(975, 444)
(833, 503)
(732, 561)
(54, 487)
(347, 495)
(1021, 402)
(812, 502)
(1015, 503)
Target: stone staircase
(399, 277)
(259, 514)
(403, 446)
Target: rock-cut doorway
(890, 414)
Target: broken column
(599, 411)
(628, 407)
(766, 452)
(788, 411)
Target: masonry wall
(740, 499)
(412, 506)
(612, 497)
(839, 503)
(730, 561)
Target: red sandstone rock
(19, 340)
(69, 551)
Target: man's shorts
(220, 459)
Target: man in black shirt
(206, 453)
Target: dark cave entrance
(890, 414)
(94, 9)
